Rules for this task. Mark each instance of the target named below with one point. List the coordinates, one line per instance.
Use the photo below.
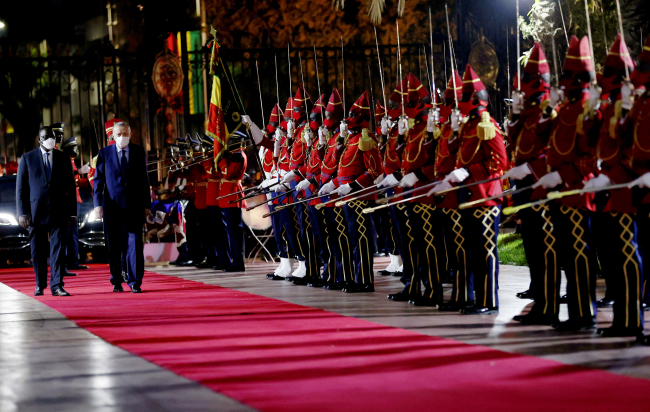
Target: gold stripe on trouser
(365, 253)
(414, 286)
(457, 228)
(313, 268)
(296, 229)
(579, 246)
(425, 212)
(550, 257)
(391, 230)
(633, 275)
(283, 235)
(325, 237)
(344, 244)
(487, 216)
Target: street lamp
(2, 25)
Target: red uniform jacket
(360, 161)
(570, 152)
(446, 154)
(418, 156)
(636, 137)
(201, 180)
(328, 157)
(78, 180)
(232, 169)
(483, 159)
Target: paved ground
(48, 363)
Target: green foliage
(511, 249)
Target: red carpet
(277, 356)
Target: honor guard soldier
(530, 129)
(220, 260)
(329, 155)
(359, 166)
(570, 160)
(481, 158)
(617, 235)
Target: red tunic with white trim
(360, 161)
(232, 168)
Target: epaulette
(486, 129)
(586, 112)
(436, 132)
(618, 115)
(366, 142)
(544, 105)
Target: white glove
(557, 95)
(431, 122)
(445, 185)
(517, 102)
(518, 172)
(322, 135)
(457, 175)
(307, 135)
(454, 120)
(409, 180)
(402, 125)
(277, 148)
(343, 189)
(290, 128)
(255, 131)
(84, 169)
(594, 96)
(343, 127)
(289, 177)
(182, 186)
(549, 180)
(626, 96)
(597, 182)
(303, 185)
(327, 188)
(643, 181)
(379, 179)
(384, 126)
(389, 181)
(281, 188)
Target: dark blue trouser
(322, 235)
(290, 229)
(462, 289)
(480, 228)
(578, 260)
(308, 240)
(192, 233)
(232, 220)
(123, 232)
(619, 231)
(361, 230)
(541, 245)
(643, 225)
(339, 244)
(280, 243)
(72, 245)
(204, 235)
(430, 257)
(219, 238)
(41, 248)
(405, 242)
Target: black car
(14, 240)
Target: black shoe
(333, 286)
(380, 254)
(204, 265)
(60, 292)
(527, 294)
(384, 273)
(185, 263)
(38, 291)
(68, 274)
(118, 288)
(397, 274)
(619, 332)
(360, 288)
(473, 310)
(77, 267)
(136, 289)
(218, 268)
(454, 306)
(575, 325)
(402, 296)
(275, 277)
(316, 283)
(173, 263)
(232, 269)
(424, 302)
(304, 281)
(605, 303)
(535, 319)
(563, 299)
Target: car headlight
(7, 219)
(92, 217)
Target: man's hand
(557, 95)
(457, 175)
(518, 172)
(289, 177)
(326, 189)
(302, 186)
(147, 212)
(597, 182)
(445, 185)
(626, 95)
(25, 222)
(99, 212)
(384, 126)
(402, 125)
(517, 102)
(343, 190)
(643, 181)
(322, 135)
(549, 181)
(84, 169)
(409, 180)
(454, 120)
(72, 221)
(389, 181)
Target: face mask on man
(49, 144)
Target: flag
(216, 126)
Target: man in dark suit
(122, 198)
(46, 203)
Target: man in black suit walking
(122, 198)
(47, 205)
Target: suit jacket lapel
(115, 159)
(39, 157)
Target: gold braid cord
(375, 10)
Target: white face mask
(122, 141)
(48, 144)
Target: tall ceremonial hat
(300, 102)
(537, 63)
(619, 56)
(361, 110)
(578, 57)
(411, 88)
(449, 92)
(319, 106)
(471, 82)
(109, 127)
(641, 76)
(288, 110)
(380, 111)
(274, 118)
(334, 105)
